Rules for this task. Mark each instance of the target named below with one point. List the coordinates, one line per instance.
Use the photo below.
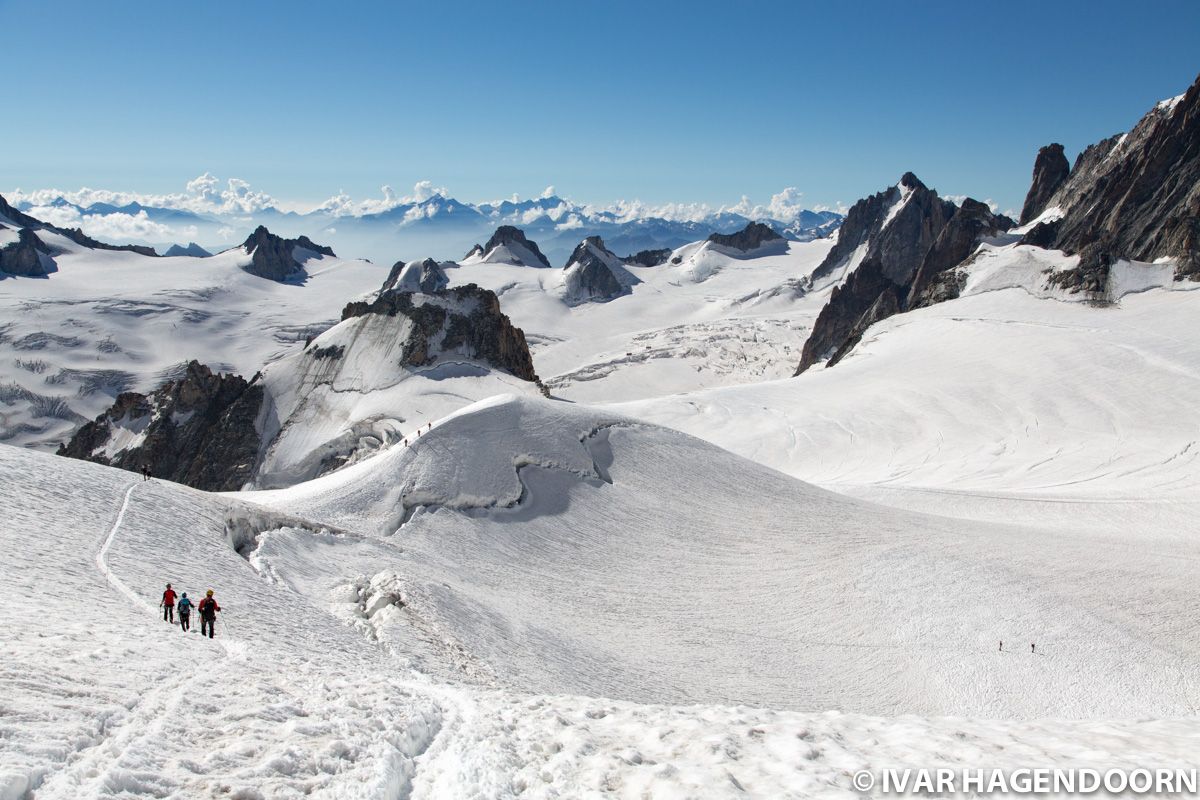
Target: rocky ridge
(752, 237)
(197, 430)
(595, 274)
(276, 258)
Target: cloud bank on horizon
(204, 195)
(219, 213)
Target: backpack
(185, 605)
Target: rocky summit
(279, 259)
(198, 429)
(416, 276)
(1050, 170)
(1135, 195)
(751, 237)
(513, 237)
(595, 274)
(466, 319)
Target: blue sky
(696, 102)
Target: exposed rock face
(417, 276)
(1139, 194)
(1041, 235)
(275, 258)
(751, 237)
(1050, 170)
(1091, 276)
(194, 250)
(864, 219)
(896, 230)
(465, 318)
(595, 274)
(842, 321)
(476, 251)
(648, 258)
(76, 235)
(971, 223)
(510, 236)
(898, 226)
(198, 430)
(28, 257)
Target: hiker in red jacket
(208, 613)
(168, 605)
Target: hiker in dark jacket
(208, 613)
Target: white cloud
(571, 222)
(204, 187)
(238, 202)
(425, 190)
(104, 226)
(125, 226)
(239, 197)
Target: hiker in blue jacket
(184, 607)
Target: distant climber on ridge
(168, 605)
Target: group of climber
(207, 609)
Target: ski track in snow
(102, 564)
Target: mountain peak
(275, 258)
(523, 249)
(751, 237)
(911, 181)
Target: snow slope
(307, 692)
(568, 550)
(548, 599)
(998, 391)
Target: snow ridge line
(102, 564)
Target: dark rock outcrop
(424, 276)
(194, 250)
(477, 250)
(897, 240)
(595, 274)
(1050, 171)
(751, 237)
(471, 323)
(275, 258)
(1090, 277)
(1139, 193)
(898, 237)
(1041, 235)
(28, 257)
(509, 235)
(198, 430)
(648, 258)
(852, 308)
(971, 223)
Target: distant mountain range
(428, 224)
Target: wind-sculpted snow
(622, 570)
(471, 460)
(569, 550)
